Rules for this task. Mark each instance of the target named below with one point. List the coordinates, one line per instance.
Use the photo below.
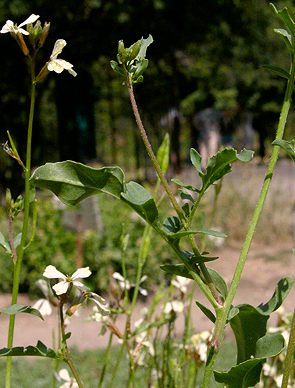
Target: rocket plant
(72, 182)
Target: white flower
(14, 28)
(58, 65)
(126, 285)
(100, 302)
(69, 382)
(175, 306)
(181, 283)
(61, 288)
(43, 306)
(200, 343)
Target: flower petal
(64, 375)
(52, 273)
(55, 65)
(79, 285)
(118, 276)
(81, 273)
(61, 287)
(8, 27)
(43, 306)
(30, 19)
(58, 47)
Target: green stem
(290, 354)
(106, 360)
(164, 182)
(65, 350)
(222, 316)
(18, 264)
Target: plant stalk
(21, 249)
(290, 354)
(222, 317)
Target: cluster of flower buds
(37, 36)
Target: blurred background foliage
(205, 54)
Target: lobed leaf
(220, 165)
(72, 182)
(281, 292)
(247, 373)
(287, 146)
(40, 350)
(18, 308)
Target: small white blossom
(43, 306)
(175, 306)
(181, 283)
(62, 287)
(69, 382)
(126, 285)
(99, 301)
(200, 343)
(9, 26)
(56, 64)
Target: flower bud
(22, 44)
(44, 34)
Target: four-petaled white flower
(181, 283)
(44, 306)
(69, 382)
(14, 28)
(99, 301)
(56, 64)
(61, 288)
(176, 306)
(126, 285)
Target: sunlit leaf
(163, 153)
(141, 201)
(72, 182)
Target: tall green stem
(221, 318)
(289, 355)
(20, 253)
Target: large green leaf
(287, 146)
(220, 165)
(141, 201)
(72, 182)
(282, 290)
(247, 373)
(19, 308)
(40, 350)
(248, 326)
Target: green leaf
(288, 147)
(4, 244)
(181, 184)
(176, 269)
(141, 201)
(72, 182)
(219, 282)
(277, 71)
(247, 373)
(269, 346)
(248, 326)
(220, 165)
(40, 350)
(144, 45)
(232, 313)
(19, 308)
(196, 160)
(163, 153)
(206, 311)
(244, 375)
(281, 292)
(117, 69)
(172, 225)
(286, 19)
